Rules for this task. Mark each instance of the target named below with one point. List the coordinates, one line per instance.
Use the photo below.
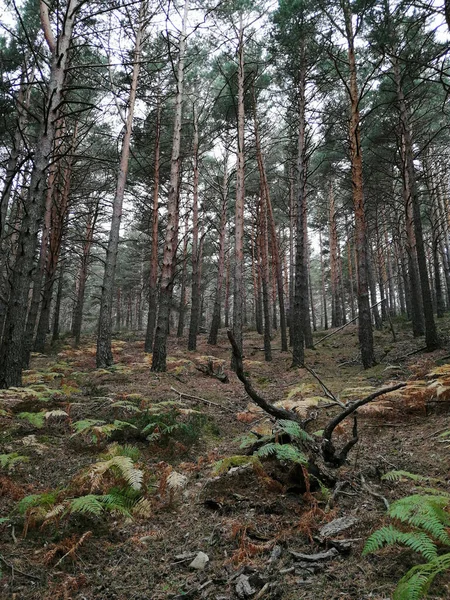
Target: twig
(328, 393)
(190, 397)
(16, 570)
(373, 493)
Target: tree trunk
(182, 311)
(365, 322)
(215, 323)
(83, 272)
(169, 255)
(104, 356)
(238, 301)
(431, 336)
(300, 298)
(195, 292)
(12, 342)
(153, 280)
(57, 311)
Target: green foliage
(427, 519)
(35, 419)
(293, 429)
(118, 450)
(399, 475)
(97, 430)
(45, 500)
(9, 461)
(283, 452)
(165, 426)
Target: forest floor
(246, 520)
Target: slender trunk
(58, 302)
(153, 280)
(365, 323)
(238, 301)
(431, 336)
(83, 272)
(169, 256)
(12, 343)
(58, 220)
(227, 295)
(195, 292)
(215, 323)
(265, 275)
(336, 308)
(300, 303)
(182, 311)
(292, 221)
(104, 356)
(324, 294)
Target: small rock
(243, 587)
(336, 526)
(200, 561)
(275, 554)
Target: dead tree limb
(327, 452)
(328, 449)
(277, 412)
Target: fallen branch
(277, 412)
(198, 399)
(329, 452)
(328, 393)
(16, 570)
(343, 326)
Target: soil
(245, 518)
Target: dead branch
(208, 370)
(277, 412)
(328, 449)
(198, 399)
(328, 393)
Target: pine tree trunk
(169, 256)
(365, 322)
(215, 323)
(11, 350)
(322, 273)
(153, 280)
(431, 336)
(300, 294)
(83, 272)
(195, 291)
(238, 300)
(58, 302)
(104, 357)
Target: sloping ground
(129, 462)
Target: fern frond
(9, 461)
(47, 499)
(55, 414)
(55, 512)
(84, 425)
(176, 481)
(399, 475)
(293, 429)
(389, 536)
(116, 449)
(415, 584)
(425, 512)
(127, 406)
(124, 465)
(35, 419)
(283, 452)
(89, 504)
(143, 508)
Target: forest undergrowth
(124, 483)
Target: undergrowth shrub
(112, 485)
(421, 523)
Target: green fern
(45, 500)
(286, 452)
(9, 461)
(293, 429)
(99, 430)
(122, 466)
(389, 536)
(35, 419)
(428, 518)
(399, 475)
(116, 449)
(90, 504)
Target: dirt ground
(248, 522)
